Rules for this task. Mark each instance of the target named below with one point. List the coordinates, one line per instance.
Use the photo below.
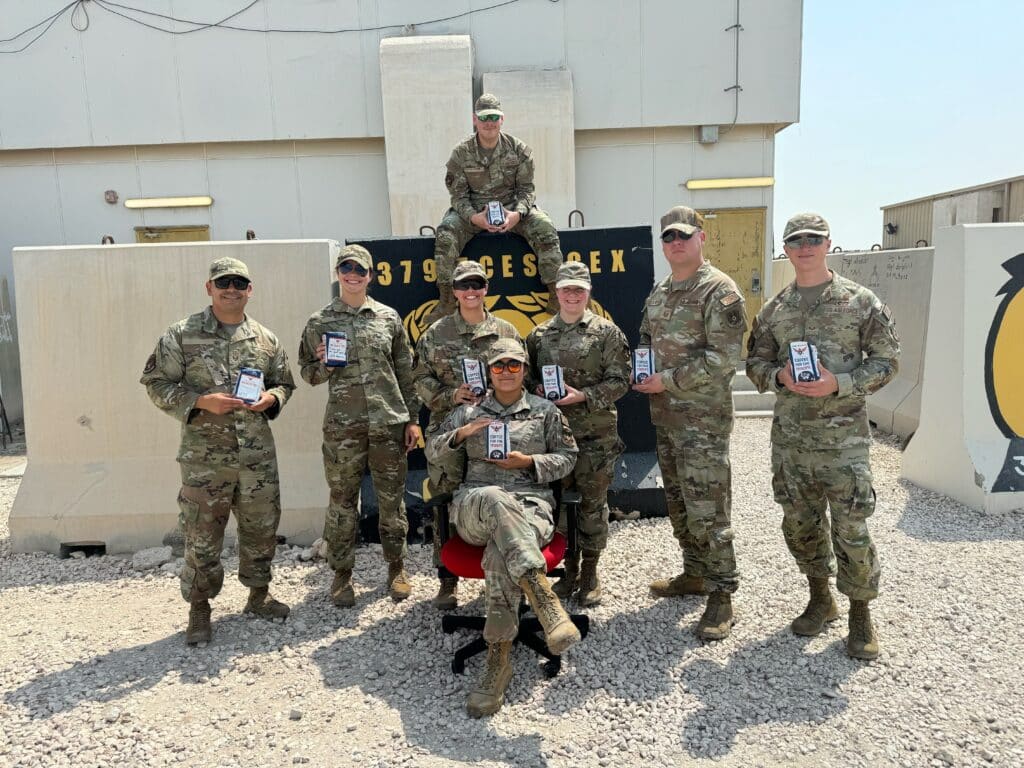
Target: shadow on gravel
(932, 516)
(774, 680)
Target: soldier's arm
(401, 355)
(616, 369)
(881, 348)
(279, 381)
(312, 370)
(425, 378)
(525, 194)
(561, 449)
(458, 187)
(164, 378)
(725, 321)
(762, 356)
(439, 446)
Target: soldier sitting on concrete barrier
(506, 506)
(227, 455)
(492, 167)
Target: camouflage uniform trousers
(805, 483)
(207, 496)
(591, 477)
(348, 450)
(698, 493)
(536, 228)
(512, 528)
(433, 490)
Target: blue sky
(899, 100)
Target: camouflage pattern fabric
(820, 445)
(595, 359)
(473, 180)
(509, 512)
(438, 373)
(227, 461)
(695, 328)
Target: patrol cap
(506, 349)
(573, 273)
(468, 268)
(355, 253)
(488, 104)
(682, 219)
(805, 224)
(227, 266)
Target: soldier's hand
(572, 397)
(219, 403)
(512, 218)
(321, 351)
(467, 430)
(785, 378)
(652, 385)
(515, 460)
(823, 387)
(464, 395)
(413, 436)
(266, 400)
(480, 220)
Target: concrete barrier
(970, 441)
(100, 455)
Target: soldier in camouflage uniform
(506, 505)
(227, 454)
(492, 166)
(594, 356)
(820, 433)
(370, 420)
(694, 322)
(440, 351)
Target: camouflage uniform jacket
(536, 427)
(196, 357)
(376, 386)
(856, 340)
(507, 177)
(595, 359)
(439, 354)
(695, 328)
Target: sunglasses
(675, 234)
(350, 266)
(230, 281)
(489, 118)
(513, 366)
(473, 284)
(800, 242)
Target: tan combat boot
(262, 604)
(342, 594)
(553, 305)
(822, 608)
(717, 621)
(590, 587)
(445, 305)
(679, 586)
(398, 581)
(862, 642)
(199, 630)
(559, 631)
(489, 694)
(570, 582)
(446, 598)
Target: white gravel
(95, 672)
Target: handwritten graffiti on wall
(1004, 374)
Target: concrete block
(970, 441)
(538, 107)
(427, 96)
(100, 455)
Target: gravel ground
(95, 672)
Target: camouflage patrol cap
(468, 268)
(227, 266)
(805, 224)
(488, 104)
(506, 349)
(573, 273)
(355, 253)
(682, 219)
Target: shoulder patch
(887, 313)
(150, 365)
(734, 318)
(729, 299)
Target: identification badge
(495, 214)
(337, 349)
(473, 375)
(554, 386)
(803, 358)
(249, 385)
(643, 364)
(497, 440)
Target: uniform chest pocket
(527, 435)
(509, 170)
(375, 340)
(478, 178)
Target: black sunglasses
(470, 284)
(350, 266)
(675, 234)
(800, 242)
(231, 281)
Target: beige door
(735, 244)
(171, 234)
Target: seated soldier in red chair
(506, 505)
